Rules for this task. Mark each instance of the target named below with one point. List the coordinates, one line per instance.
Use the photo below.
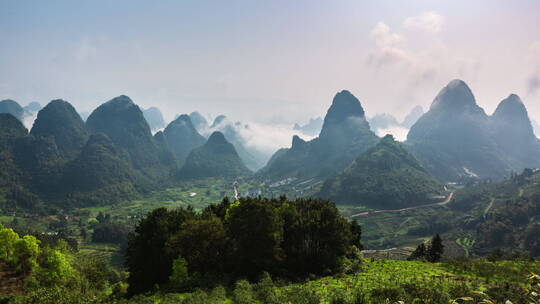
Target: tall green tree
(256, 230)
(315, 236)
(147, 258)
(435, 249)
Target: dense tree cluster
(227, 241)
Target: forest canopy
(227, 241)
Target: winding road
(446, 201)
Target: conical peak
(10, 102)
(456, 95)
(58, 101)
(344, 105)
(120, 101)
(117, 106)
(183, 118)
(55, 117)
(511, 107)
(217, 138)
(58, 104)
(180, 122)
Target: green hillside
(216, 158)
(386, 176)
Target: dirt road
(446, 201)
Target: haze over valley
(276, 152)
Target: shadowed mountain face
(123, 122)
(60, 120)
(12, 107)
(182, 137)
(345, 135)
(100, 173)
(154, 118)
(11, 127)
(385, 176)
(455, 139)
(27, 162)
(216, 158)
(514, 133)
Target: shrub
(26, 254)
(243, 293)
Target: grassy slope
(448, 278)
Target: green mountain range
(457, 140)
(123, 122)
(384, 177)
(99, 175)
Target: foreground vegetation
(377, 281)
(249, 251)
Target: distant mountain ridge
(154, 118)
(182, 137)
(456, 139)
(384, 123)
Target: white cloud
(265, 138)
(430, 22)
(389, 46)
(416, 65)
(399, 132)
(384, 37)
(28, 120)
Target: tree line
(291, 239)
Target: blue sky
(268, 60)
